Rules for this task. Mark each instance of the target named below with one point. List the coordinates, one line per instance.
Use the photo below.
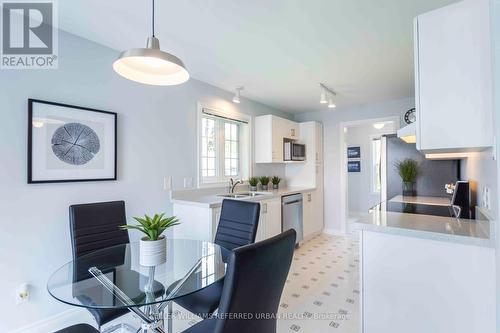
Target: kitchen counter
(211, 197)
(438, 201)
(464, 231)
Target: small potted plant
(153, 246)
(408, 170)
(264, 181)
(253, 181)
(276, 182)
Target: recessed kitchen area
(201, 166)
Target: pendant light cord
(153, 20)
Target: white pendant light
(322, 98)
(236, 98)
(331, 105)
(151, 65)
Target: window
(376, 165)
(224, 148)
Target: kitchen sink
(233, 195)
(241, 195)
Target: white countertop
(463, 231)
(437, 201)
(210, 197)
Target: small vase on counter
(264, 181)
(409, 189)
(253, 182)
(276, 182)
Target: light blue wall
(156, 138)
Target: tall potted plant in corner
(408, 170)
(153, 246)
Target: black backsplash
(434, 174)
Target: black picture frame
(30, 178)
(354, 152)
(353, 166)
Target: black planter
(409, 189)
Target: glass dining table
(112, 278)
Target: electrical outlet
(22, 294)
(188, 182)
(167, 183)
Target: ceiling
(278, 49)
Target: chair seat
(204, 326)
(203, 302)
(79, 328)
(105, 315)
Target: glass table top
(113, 277)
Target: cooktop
(412, 208)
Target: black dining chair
(95, 226)
(237, 227)
(255, 279)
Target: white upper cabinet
(453, 78)
(309, 173)
(269, 134)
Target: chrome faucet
(233, 183)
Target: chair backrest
(237, 224)
(94, 226)
(255, 278)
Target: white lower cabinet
(270, 219)
(417, 285)
(200, 223)
(312, 214)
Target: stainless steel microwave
(294, 151)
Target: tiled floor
(322, 290)
(321, 294)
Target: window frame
(245, 162)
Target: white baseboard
(334, 232)
(58, 321)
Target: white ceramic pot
(152, 253)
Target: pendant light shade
(151, 65)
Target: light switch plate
(167, 183)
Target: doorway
(364, 169)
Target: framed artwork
(353, 152)
(68, 143)
(353, 166)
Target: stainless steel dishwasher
(291, 214)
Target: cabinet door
(454, 78)
(318, 215)
(277, 140)
(308, 218)
(265, 145)
(261, 228)
(273, 218)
